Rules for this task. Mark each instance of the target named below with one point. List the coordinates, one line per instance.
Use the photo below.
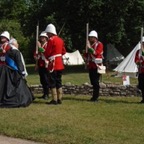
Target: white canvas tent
(128, 66)
(113, 56)
(73, 58)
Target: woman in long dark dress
(14, 91)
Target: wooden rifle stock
(37, 34)
(141, 38)
(87, 31)
(86, 48)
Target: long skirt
(14, 91)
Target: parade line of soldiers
(14, 91)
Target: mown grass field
(113, 120)
(77, 75)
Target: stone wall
(86, 89)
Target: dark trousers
(56, 79)
(141, 83)
(94, 79)
(44, 79)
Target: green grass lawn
(113, 120)
(76, 75)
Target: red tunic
(4, 47)
(41, 56)
(97, 57)
(139, 60)
(54, 51)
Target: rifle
(61, 28)
(141, 38)
(86, 48)
(87, 31)
(37, 34)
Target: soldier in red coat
(42, 64)
(139, 60)
(94, 58)
(54, 51)
(4, 45)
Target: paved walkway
(8, 140)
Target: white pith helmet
(93, 33)
(6, 35)
(43, 34)
(51, 29)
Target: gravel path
(8, 140)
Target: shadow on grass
(105, 100)
(75, 98)
(87, 99)
(39, 102)
(42, 101)
(115, 101)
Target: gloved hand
(41, 50)
(91, 51)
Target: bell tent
(73, 58)
(128, 66)
(113, 56)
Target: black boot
(95, 95)
(142, 101)
(46, 92)
(45, 97)
(52, 102)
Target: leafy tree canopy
(117, 22)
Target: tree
(116, 22)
